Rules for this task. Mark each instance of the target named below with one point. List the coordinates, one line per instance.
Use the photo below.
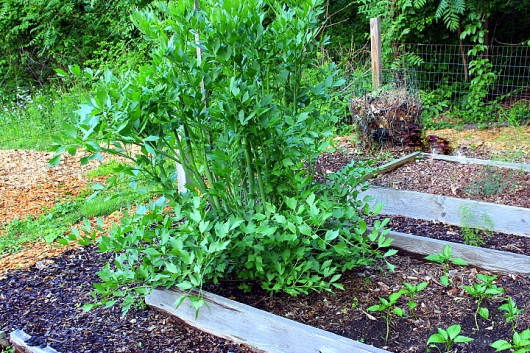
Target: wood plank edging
(255, 328)
(452, 210)
(464, 160)
(397, 162)
(488, 259)
(18, 340)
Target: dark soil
(345, 313)
(46, 300)
(438, 230)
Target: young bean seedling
(448, 338)
(388, 306)
(483, 290)
(446, 259)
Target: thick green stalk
(208, 174)
(249, 170)
(188, 163)
(261, 186)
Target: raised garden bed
(44, 302)
(467, 178)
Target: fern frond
(418, 4)
(450, 11)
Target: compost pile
(389, 118)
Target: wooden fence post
(375, 46)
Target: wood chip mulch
(45, 297)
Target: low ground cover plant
(448, 338)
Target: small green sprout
(520, 343)
(512, 312)
(411, 290)
(483, 290)
(448, 338)
(446, 259)
(389, 307)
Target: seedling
(520, 343)
(448, 338)
(512, 312)
(483, 290)
(388, 307)
(446, 259)
(411, 291)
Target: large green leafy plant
(225, 96)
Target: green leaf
(436, 338)
(484, 312)
(172, 268)
(459, 262)
(453, 331)
(501, 345)
(54, 162)
(462, 339)
(88, 307)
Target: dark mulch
(46, 302)
(438, 230)
(345, 313)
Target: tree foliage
(41, 35)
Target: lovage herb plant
(225, 96)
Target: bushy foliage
(225, 97)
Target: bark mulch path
(46, 301)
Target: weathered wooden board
(464, 160)
(255, 328)
(488, 259)
(452, 210)
(18, 340)
(398, 162)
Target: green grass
(32, 121)
(57, 221)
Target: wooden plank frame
(488, 259)
(255, 328)
(390, 166)
(452, 210)
(18, 340)
(464, 160)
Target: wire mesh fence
(455, 66)
(472, 85)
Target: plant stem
(250, 171)
(387, 318)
